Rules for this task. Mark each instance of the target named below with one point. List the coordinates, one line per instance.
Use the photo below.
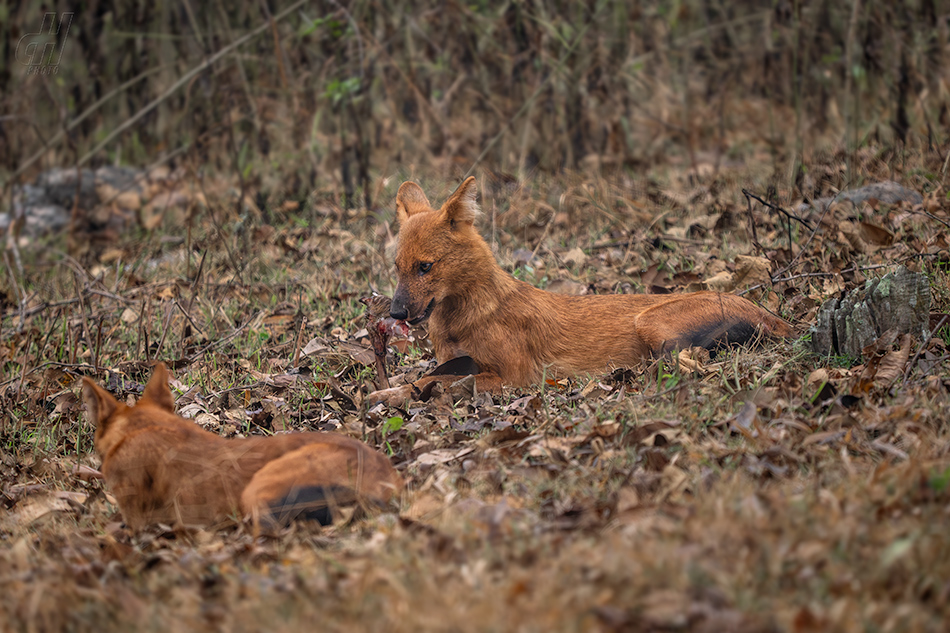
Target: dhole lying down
(164, 468)
(514, 332)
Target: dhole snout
(404, 308)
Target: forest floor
(762, 489)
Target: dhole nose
(398, 312)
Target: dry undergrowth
(760, 490)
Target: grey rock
(60, 186)
(887, 192)
(122, 178)
(46, 205)
(41, 219)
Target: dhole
(164, 468)
(515, 332)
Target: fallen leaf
(817, 377)
(567, 287)
(874, 234)
(721, 282)
(575, 256)
(443, 455)
(893, 363)
(752, 271)
(744, 420)
(37, 507)
(314, 346)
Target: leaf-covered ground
(760, 490)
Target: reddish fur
(514, 331)
(164, 468)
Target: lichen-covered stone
(823, 332)
(898, 300)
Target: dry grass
(330, 98)
(739, 495)
(761, 490)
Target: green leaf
(940, 480)
(896, 550)
(392, 425)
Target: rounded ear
(100, 404)
(410, 200)
(157, 391)
(461, 205)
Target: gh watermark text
(42, 51)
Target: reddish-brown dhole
(163, 468)
(515, 332)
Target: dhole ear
(461, 206)
(410, 200)
(157, 391)
(99, 403)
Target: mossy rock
(847, 324)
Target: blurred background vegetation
(335, 97)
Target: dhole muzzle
(403, 307)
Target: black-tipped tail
(312, 503)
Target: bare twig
(73, 342)
(755, 236)
(805, 247)
(194, 293)
(530, 100)
(13, 230)
(26, 363)
(46, 306)
(777, 280)
(50, 363)
(184, 79)
(544, 234)
(303, 326)
(169, 311)
(188, 317)
(108, 295)
(138, 339)
(47, 145)
(87, 331)
(21, 298)
(790, 216)
(932, 216)
(96, 356)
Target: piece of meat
(381, 327)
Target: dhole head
(438, 249)
(102, 409)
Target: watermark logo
(42, 51)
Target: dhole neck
(489, 287)
(477, 297)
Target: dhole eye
(424, 267)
